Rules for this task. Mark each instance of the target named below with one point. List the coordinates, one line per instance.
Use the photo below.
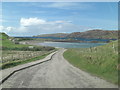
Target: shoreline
(63, 44)
(33, 42)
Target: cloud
(36, 26)
(1, 28)
(31, 21)
(68, 5)
(59, 5)
(36, 21)
(6, 29)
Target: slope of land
(10, 43)
(95, 34)
(101, 61)
(14, 53)
(91, 34)
(54, 35)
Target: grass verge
(101, 61)
(19, 62)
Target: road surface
(56, 73)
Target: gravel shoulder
(56, 73)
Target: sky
(34, 18)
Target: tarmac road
(56, 73)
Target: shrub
(28, 49)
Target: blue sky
(30, 18)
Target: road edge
(4, 79)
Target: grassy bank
(101, 61)
(19, 62)
(14, 53)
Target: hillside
(5, 40)
(10, 43)
(54, 35)
(93, 34)
(101, 61)
(7, 43)
(14, 53)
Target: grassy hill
(14, 54)
(95, 34)
(101, 61)
(91, 34)
(9, 43)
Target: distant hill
(53, 35)
(93, 34)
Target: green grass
(101, 62)
(7, 44)
(19, 62)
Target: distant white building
(31, 47)
(22, 42)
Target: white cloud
(68, 5)
(31, 21)
(26, 22)
(60, 5)
(1, 28)
(6, 29)
(95, 28)
(36, 26)
(9, 29)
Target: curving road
(56, 73)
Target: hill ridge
(94, 34)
